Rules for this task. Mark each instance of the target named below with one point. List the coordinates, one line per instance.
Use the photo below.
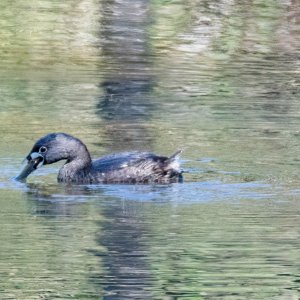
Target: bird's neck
(76, 168)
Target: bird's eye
(43, 149)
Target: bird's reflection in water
(123, 270)
(58, 200)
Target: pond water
(219, 79)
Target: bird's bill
(33, 162)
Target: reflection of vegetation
(249, 27)
(43, 250)
(220, 250)
(48, 33)
(230, 28)
(169, 20)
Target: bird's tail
(172, 164)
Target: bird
(133, 167)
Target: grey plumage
(126, 167)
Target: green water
(219, 79)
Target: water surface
(219, 79)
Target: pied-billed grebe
(127, 167)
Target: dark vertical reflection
(127, 271)
(125, 105)
(125, 108)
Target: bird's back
(136, 167)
